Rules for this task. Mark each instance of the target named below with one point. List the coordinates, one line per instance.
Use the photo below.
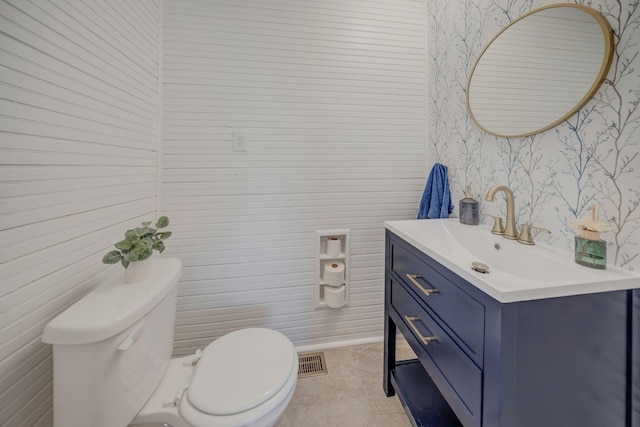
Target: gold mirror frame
(509, 105)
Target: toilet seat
(264, 415)
(240, 379)
(271, 344)
(240, 371)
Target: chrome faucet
(510, 231)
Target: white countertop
(517, 272)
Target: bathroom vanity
(503, 351)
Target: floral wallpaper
(591, 158)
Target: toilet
(112, 364)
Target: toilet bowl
(245, 378)
(120, 336)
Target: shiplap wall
(79, 135)
(331, 95)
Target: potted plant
(137, 247)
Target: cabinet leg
(389, 354)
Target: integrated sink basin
(516, 272)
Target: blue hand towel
(436, 200)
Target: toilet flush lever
(131, 338)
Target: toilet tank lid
(108, 310)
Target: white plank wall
(331, 95)
(79, 137)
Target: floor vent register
(311, 364)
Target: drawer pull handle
(424, 290)
(425, 340)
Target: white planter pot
(137, 271)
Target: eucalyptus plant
(139, 243)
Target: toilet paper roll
(333, 246)
(334, 273)
(334, 296)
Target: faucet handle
(498, 228)
(525, 236)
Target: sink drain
(480, 267)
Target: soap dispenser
(469, 209)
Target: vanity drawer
(458, 378)
(462, 314)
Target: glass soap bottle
(469, 209)
(591, 251)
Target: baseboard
(335, 344)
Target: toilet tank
(112, 347)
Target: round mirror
(540, 70)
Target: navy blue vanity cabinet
(558, 362)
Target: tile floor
(350, 395)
